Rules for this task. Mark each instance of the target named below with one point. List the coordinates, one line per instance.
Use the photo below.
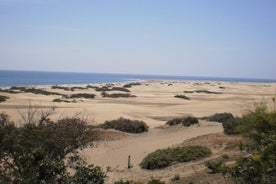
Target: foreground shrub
(36, 152)
(164, 157)
(89, 174)
(187, 121)
(259, 164)
(126, 125)
(216, 167)
(230, 126)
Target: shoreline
(134, 81)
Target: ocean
(32, 78)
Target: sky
(218, 38)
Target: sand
(155, 104)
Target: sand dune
(155, 104)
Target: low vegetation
(220, 117)
(3, 98)
(132, 84)
(77, 87)
(182, 97)
(62, 87)
(259, 163)
(164, 157)
(104, 88)
(63, 100)
(229, 122)
(126, 125)
(29, 90)
(120, 89)
(82, 95)
(65, 88)
(187, 121)
(40, 91)
(203, 91)
(117, 95)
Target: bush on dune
(164, 157)
(220, 117)
(126, 125)
(82, 95)
(187, 121)
(229, 122)
(132, 84)
(117, 95)
(182, 97)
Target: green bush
(82, 95)
(77, 87)
(187, 121)
(90, 86)
(164, 157)
(32, 90)
(62, 100)
(132, 84)
(220, 117)
(3, 98)
(216, 167)
(259, 164)
(175, 178)
(119, 89)
(230, 125)
(62, 87)
(88, 174)
(36, 153)
(18, 88)
(207, 92)
(182, 97)
(174, 121)
(126, 125)
(104, 88)
(117, 95)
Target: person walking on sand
(129, 162)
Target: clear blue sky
(222, 38)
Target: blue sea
(31, 78)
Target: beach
(154, 103)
